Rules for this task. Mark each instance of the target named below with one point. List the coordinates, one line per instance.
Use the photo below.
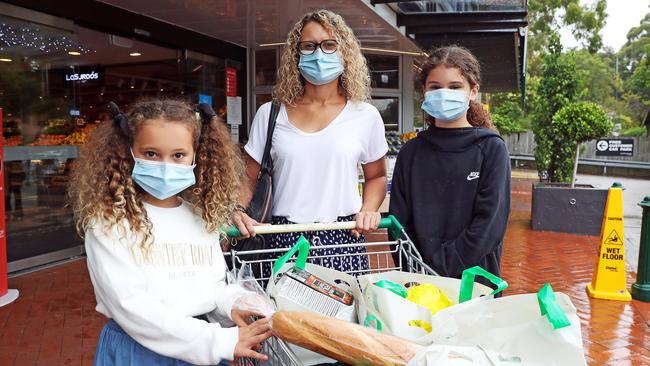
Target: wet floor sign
(609, 280)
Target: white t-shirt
(315, 176)
(154, 300)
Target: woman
(451, 184)
(324, 130)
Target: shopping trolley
(381, 258)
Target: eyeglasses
(309, 47)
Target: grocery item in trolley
(300, 286)
(341, 340)
(395, 314)
(307, 287)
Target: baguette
(341, 340)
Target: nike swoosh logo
(472, 178)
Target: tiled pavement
(54, 322)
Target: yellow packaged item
(429, 296)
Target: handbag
(261, 204)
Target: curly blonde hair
(102, 191)
(354, 83)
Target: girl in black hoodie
(451, 184)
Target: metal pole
(641, 289)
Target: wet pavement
(54, 322)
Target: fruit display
(48, 140)
(408, 136)
(76, 138)
(394, 141)
(15, 140)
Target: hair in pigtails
(219, 171)
(101, 188)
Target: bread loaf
(341, 340)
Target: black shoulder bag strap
(267, 162)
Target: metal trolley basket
(380, 257)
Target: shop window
(55, 85)
(265, 67)
(261, 99)
(389, 109)
(384, 71)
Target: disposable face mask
(162, 180)
(320, 68)
(445, 105)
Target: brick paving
(53, 322)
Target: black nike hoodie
(451, 192)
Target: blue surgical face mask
(320, 68)
(162, 180)
(445, 105)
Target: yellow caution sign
(609, 280)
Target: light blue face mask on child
(162, 180)
(445, 105)
(320, 68)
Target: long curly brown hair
(462, 59)
(354, 83)
(101, 188)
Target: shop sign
(231, 82)
(75, 113)
(615, 147)
(93, 75)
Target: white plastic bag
(393, 314)
(529, 329)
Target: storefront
(56, 78)
(60, 64)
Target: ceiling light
(135, 54)
(4, 59)
(74, 53)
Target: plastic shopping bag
(390, 313)
(529, 329)
(252, 299)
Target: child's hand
(250, 337)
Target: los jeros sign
(92, 75)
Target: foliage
(558, 87)
(546, 16)
(576, 123)
(639, 81)
(636, 47)
(581, 122)
(635, 131)
(505, 124)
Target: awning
(494, 30)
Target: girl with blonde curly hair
(324, 129)
(150, 192)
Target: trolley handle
(394, 228)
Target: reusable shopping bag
(393, 314)
(528, 329)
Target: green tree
(546, 16)
(639, 81)
(636, 47)
(558, 86)
(577, 123)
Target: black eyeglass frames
(309, 47)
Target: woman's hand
(244, 223)
(367, 221)
(250, 337)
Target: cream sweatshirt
(154, 298)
